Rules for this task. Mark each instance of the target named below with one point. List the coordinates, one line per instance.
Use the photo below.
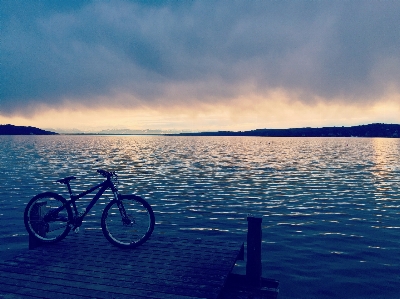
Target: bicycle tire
(47, 217)
(132, 229)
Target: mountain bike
(127, 220)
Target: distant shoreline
(371, 131)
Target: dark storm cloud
(57, 50)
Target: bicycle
(127, 221)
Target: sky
(199, 65)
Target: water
(330, 206)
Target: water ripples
(330, 206)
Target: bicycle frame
(107, 184)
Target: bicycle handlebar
(106, 174)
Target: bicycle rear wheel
(47, 217)
(127, 222)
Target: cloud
(186, 52)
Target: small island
(22, 130)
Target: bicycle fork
(122, 211)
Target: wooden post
(37, 225)
(254, 236)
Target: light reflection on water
(330, 206)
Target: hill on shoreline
(371, 130)
(22, 130)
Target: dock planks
(86, 265)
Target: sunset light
(198, 65)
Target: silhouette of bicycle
(127, 221)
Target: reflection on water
(330, 206)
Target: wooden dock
(85, 265)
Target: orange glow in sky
(245, 113)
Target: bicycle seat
(66, 180)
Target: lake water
(330, 206)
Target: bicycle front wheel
(128, 222)
(47, 217)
